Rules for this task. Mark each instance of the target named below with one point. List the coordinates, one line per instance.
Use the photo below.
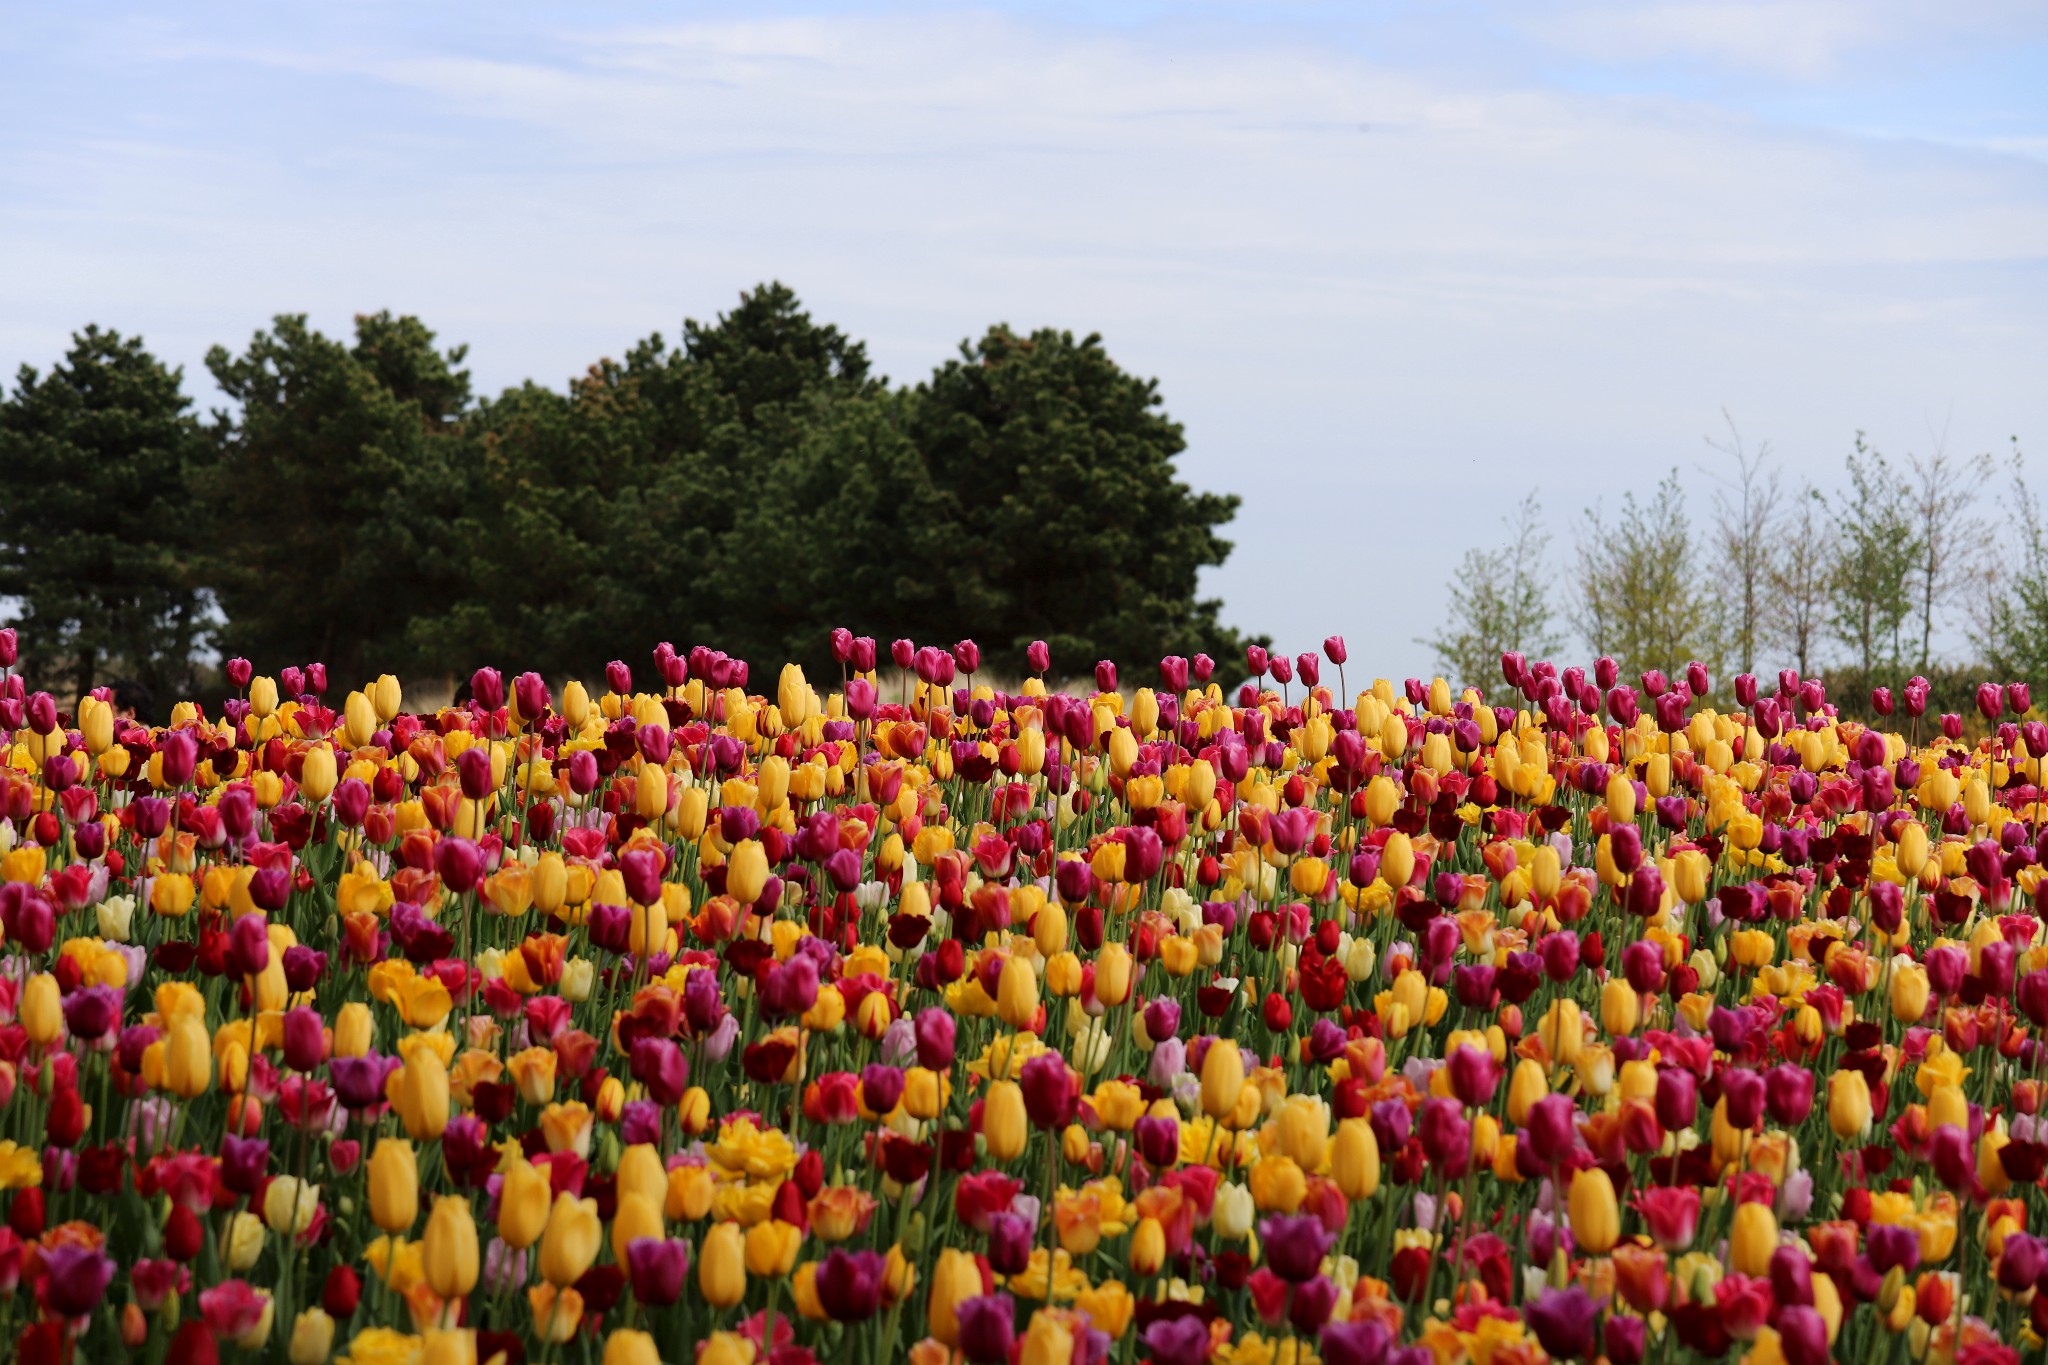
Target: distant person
(132, 701)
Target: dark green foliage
(750, 490)
(1063, 518)
(100, 523)
(331, 492)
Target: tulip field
(899, 1017)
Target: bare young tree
(1950, 538)
(1498, 602)
(1642, 594)
(1797, 612)
(1877, 549)
(1745, 537)
(2010, 603)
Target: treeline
(750, 489)
(1858, 583)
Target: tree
(1745, 539)
(100, 526)
(1642, 595)
(1799, 579)
(1498, 602)
(332, 491)
(1940, 502)
(1064, 520)
(1876, 549)
(2012, 631)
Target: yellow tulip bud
(1752, 1239)
(188, 1058)
(1595, 1217)
(394, 1185)
(312, 1340)
(722, 1266)
(1004, 1125)
(1527, 1085)
(450, 1254)
(422, 1099)
(629, 1347)
(771, 1247)
(1848, 1104)
(1620, 1008)
(523, 1205)
(318, 776)
(1355, 1159)
(41, 1009)
(1222, 1077)
(570, 1244)
(637, 1216)
(746, 871)
(955, 1279)
(1017, 994)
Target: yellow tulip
(771, 1247)
(1355, 1159)
(628, 1347)
(955, 1279)
(641, 1172)
(1848, 1104)
(394, 1185)
(42, 1009)
(188, 1058)
(523, 1204)
(1004, 1125)
(1017, 994)
(722, 1266)
(746, 871)
(637, 1216)
(570, 1245)
(1595, 1217)
(422, 1098)
(1752, 1239)
(317, 776)
(1222, 1077)
(451, 1254)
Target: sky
(1394, 265)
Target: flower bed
(923, 1021)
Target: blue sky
(1393, 264)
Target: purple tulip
(1186, 1341)
(1553, 1128)
(1295, 1245)
(243, 1162)
(1311, 1305)
(1803, 1336)
(1344, 1343)
(359, 1081)
(1788, 1094)
(1009, 1243)
(305, 1041)
(91, 1012)
(460, 863)
(1625, 1338)
(657, 1267)
(78, 1278)
(1048, 1093)
(1162, 1018)
(660, 1065)
(1563, 1320)
(849, 1284)
(988, 1328)
(1890, 1245)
